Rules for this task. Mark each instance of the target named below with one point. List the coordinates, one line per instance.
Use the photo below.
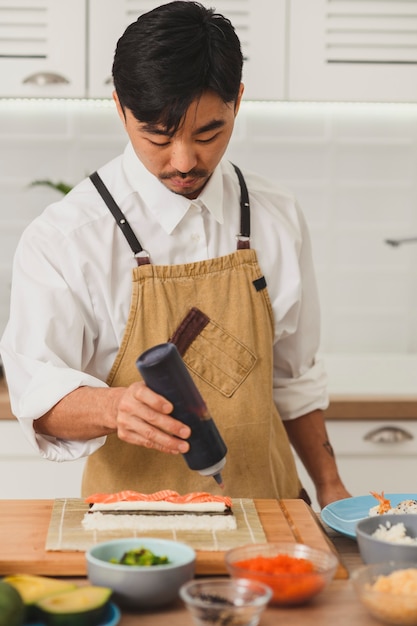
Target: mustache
(195, 173)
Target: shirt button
(195, 237)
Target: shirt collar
(169, 208)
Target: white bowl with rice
(389, 537)
(388, 591)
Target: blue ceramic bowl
(141, 587)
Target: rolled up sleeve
(295, 397)
(49, 339)
(299, 378)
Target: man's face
(184, 161)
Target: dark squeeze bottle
(164, 371)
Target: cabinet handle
(45, 78)
(388, 434)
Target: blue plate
(343, 515)
(111, 617)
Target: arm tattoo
(328, 447)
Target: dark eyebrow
(155, 130)
(213, 125)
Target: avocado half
(12, 608)
(58, 602)
(84, 606)
(33, 588)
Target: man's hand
(327, 494)
(143, 420)
(309, 438)
(137, 414)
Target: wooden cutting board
(24, 527)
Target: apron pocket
(219, 358)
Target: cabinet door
(372, 456)
(26, 475)
(42, 48)
(260, 25)
(353, 51)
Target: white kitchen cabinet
(24, 474)
(321, 50)
(260, 25)
(372, 456)
(43, 48)
(353, 51)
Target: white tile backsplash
(352, 167)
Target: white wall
(353, 168)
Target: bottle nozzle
(219, 480)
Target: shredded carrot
(293, 580)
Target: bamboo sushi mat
(66, 532)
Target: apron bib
(219, 315)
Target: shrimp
(384, 503)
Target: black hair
(170, 56)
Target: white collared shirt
(72, 283)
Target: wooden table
(26, 522)
(337, 605)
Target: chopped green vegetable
(142, 557)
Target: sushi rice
(394, 533)
(405, 506)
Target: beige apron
(230, 360)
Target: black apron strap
(243, 238)
(141, 256)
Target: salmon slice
(166, 495)
(129, 495)
(199, 496)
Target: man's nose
(183, 157)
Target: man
(244, 310)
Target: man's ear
(239, 98)
(119, 108)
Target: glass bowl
(225, 601)
(388, 591)
(295, 572)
